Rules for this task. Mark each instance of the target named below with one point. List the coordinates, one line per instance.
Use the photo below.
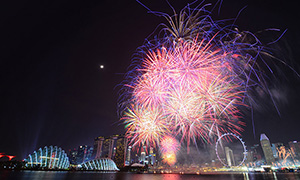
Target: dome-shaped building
(49, 158)
(102, 164)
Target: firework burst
(190, 81)
(144, 126)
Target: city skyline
(55, 90)
(117, 149)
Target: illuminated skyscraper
(295, 149)
(274, 150)
(120, 149)
(98, 143)
(84, 153)
(275, 147)
(113, 147)
(266, 146)
(152, 156)
(73, 156)
(80, 154)
(143, 155)
(105, 148)
(88, 154)
(229, 157)
(254, 155)
(128, 156)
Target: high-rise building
(80, 154)
(266, 146)
(143, 157)
(88, 154)
(274, 150)
(73, 156)
(113, 147)
(257, 152)
(136, 158)
(98, 143)
(152, 156)
(120, 150)
(229, 157)
(84, 154)
(128, 156)
(106, 147)
(275, 147)
(295, 148)
(250, 158)
(254, 155)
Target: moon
(101, 66)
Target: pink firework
(191, 87)
(190, 81)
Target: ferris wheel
(228, 151)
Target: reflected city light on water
(274, 174)
(97, 175)
(246, 176)
(171, 177)
(49, 175)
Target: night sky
(53, 91)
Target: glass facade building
(266, 147)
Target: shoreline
(180, 173)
